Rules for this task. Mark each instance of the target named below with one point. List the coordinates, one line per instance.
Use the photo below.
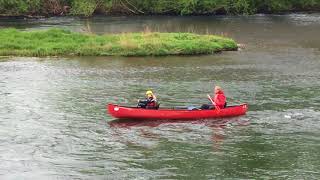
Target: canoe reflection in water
(175, 130)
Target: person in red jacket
(219, 100)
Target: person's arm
(143, 101)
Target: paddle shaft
(217, 107)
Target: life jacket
(220, 99)
(151, 103)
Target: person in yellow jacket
(150, 102)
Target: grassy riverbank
(58, 42)
(147, 7)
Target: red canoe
(122, 112)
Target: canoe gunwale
(175, 108)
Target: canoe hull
(122, 112)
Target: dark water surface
(53, 123)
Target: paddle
(217, 107)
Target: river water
(54, 123)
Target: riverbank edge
(60, 42)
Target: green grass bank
(59, 42)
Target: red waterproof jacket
(220, 99)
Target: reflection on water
(217, 127)
(54, 123)
(129, 123)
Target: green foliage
(211, 6)
(83, 7)
(106, 4)
(17, 7)
(56, 42)
(277, 6)
(187, 7)
(179, 7)
(242, 7)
